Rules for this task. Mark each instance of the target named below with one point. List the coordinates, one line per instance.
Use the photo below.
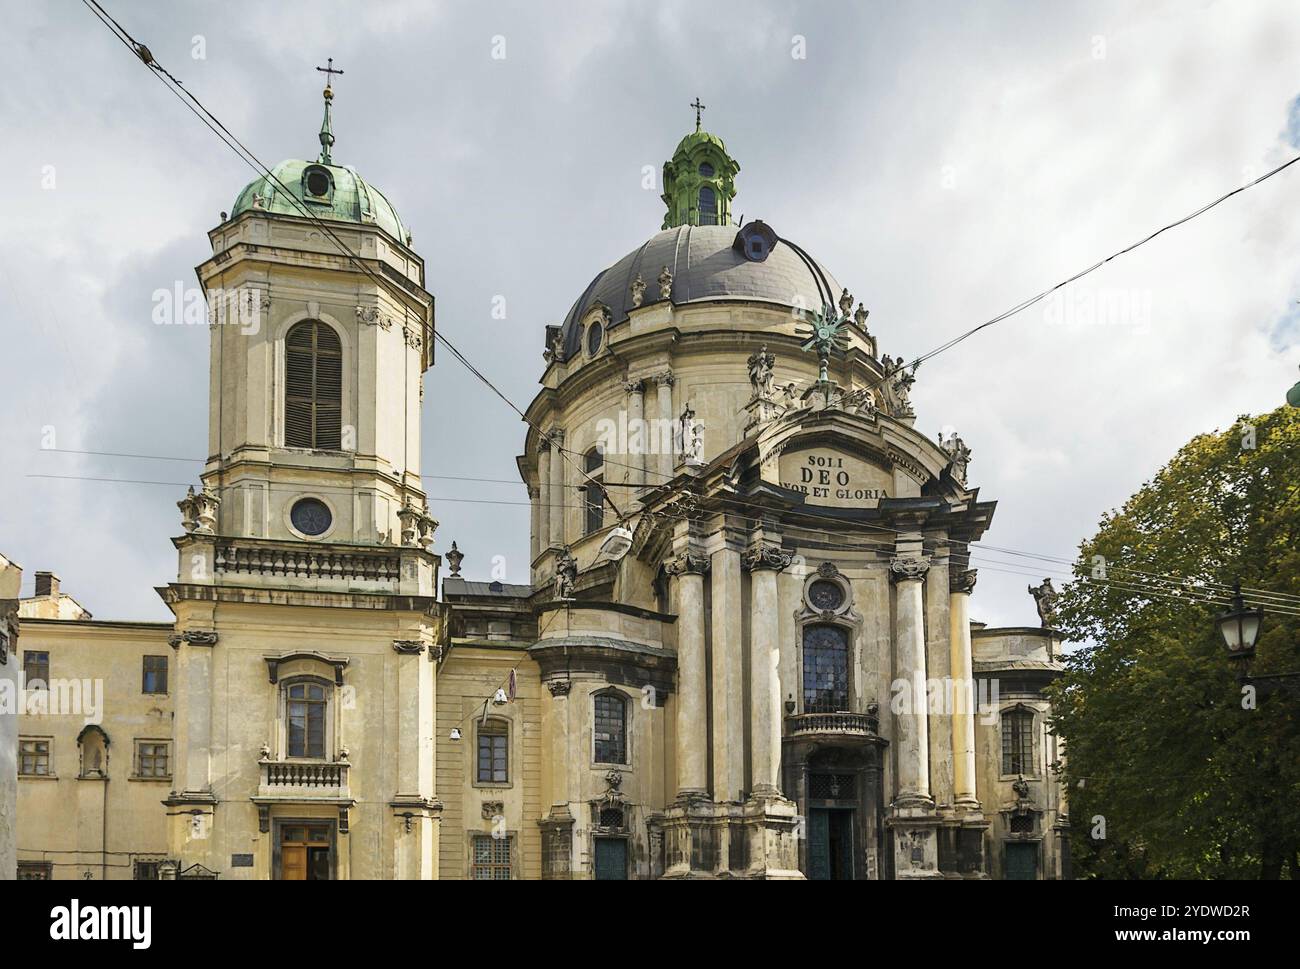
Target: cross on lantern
(698, 108)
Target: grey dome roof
(705, 266)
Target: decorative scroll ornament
(766, 557)
(638, 290)
(909, 567)
(962, 581)
(1045, 598)
(687, 563)
(194, 637)
(370, 316)
(408, 647)
(828, 570)
(960, 454)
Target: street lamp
(1240, 627)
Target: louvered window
(313, 397)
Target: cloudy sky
(944, 161)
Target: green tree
(1159, 752)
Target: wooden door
(293, 863)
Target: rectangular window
(153, 758)
(34, 758)
(36, 670)
(493, 753)
(1018, 742)
(35, 871)
(491, 860)
(610, 729)
(306, 708)
(155, 675)
(146, 871)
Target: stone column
(638, 435)
(728, 714)
(688, 571)
(559, 496)
(544, 502)
(664, 438)
(764, 563)
(960, 585)
(912, 742)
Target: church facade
(744, 650)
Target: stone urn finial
(454, 557)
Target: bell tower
(700, 179)
(321, 334)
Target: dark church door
(830, 844)
(1022, 861)
(611, 859)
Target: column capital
(687, 563)
(907, 568)
(766, 556)
(555, 436)
(962, 581)
(636, 386)
(664, 378)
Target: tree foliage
(1159, 751)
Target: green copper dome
(326, 191)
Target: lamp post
(1240, 627)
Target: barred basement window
(832, 787)
(1018, 741)
(147, 871)
(611, 729)
(35, 871)
(491, 858)
(313, 387)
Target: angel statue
(761, 376)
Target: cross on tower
(694, 104)
(328, 70)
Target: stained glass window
(825, 669)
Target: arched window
(610, 728)
(1018, 741)
(594, 504)
(825, 669)
(306, 707)
(708, 206)
(493, 752)
(313, 387)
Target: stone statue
(566, 574)
(665, 284)
(1045, 598)
(638, 290)
(846, 302)
(761, 377)
(860, 317)
(900, 380)
(957, 450)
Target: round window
(318, 183)
(311, 516)
(595, 333)
(826, 595)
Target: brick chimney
(47, 584)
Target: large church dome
(708, 262)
